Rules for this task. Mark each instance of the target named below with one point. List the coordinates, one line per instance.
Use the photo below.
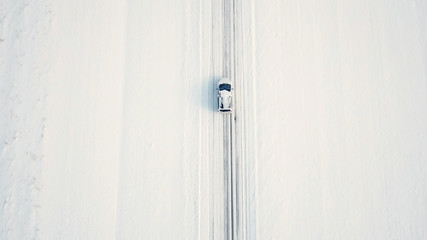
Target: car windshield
(225, 86)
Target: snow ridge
(23, 71)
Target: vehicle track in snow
(239, 126)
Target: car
(225, 99)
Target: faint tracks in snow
(239, 128)
(244, 121)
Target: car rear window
(225, 86)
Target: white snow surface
(108, 122)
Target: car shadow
(210, 95)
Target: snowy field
(108, 126)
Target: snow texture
(109, 128)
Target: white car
(225, 100)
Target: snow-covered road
(109, 128)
